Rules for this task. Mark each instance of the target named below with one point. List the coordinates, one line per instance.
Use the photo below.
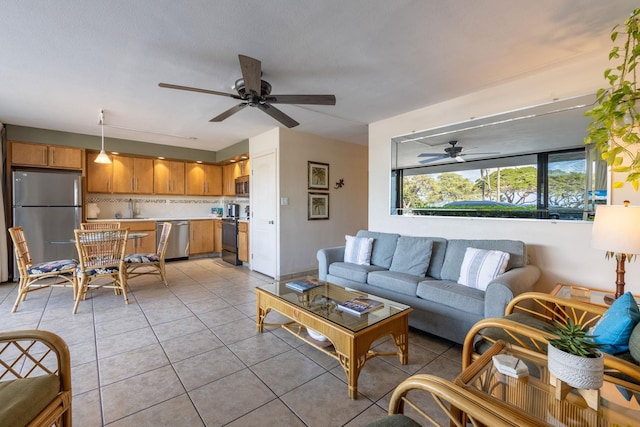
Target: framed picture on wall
(318, 206)
(318, 176)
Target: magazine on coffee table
(360, 305)
(302, 285)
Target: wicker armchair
(452, 403)
(525, 324)
(35, 276)
(35, 379)
(139, 264)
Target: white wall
(300, 238)
(560, 248)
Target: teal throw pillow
(614, 329)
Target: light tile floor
(189, 355)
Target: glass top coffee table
(349, 336)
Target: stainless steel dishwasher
(178, 243)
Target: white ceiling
(62, 61)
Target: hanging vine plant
(615, 120)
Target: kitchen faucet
(132, 208)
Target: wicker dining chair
(36, 276)
(101, 256)
(35, 379)
(110, 225)
(140, 263)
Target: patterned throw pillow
(358, 250)
(481, 266)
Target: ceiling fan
(255, 92)
(453, 152)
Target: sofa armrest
(505, 287)
(326, 257)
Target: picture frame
(318, 206)
(318, 176)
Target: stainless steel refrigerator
(48, 205)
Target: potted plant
(614, 129)
(574, 357)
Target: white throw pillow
(481, 266)
(358, 250)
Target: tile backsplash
(147, 206)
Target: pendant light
(102, 157)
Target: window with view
(553, 185)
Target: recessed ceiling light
(161, 158)
(232, 161)
(198, 161)
(243, 157)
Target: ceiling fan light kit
(255, 92)
(102, 156)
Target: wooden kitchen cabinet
(203, 179)
(217, 236)
(229, 174)
(142, 245)
(132, 175)
(99, 175)
(201, 236)
(168, 177)
(48, 156)
(243, 241)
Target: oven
(230, 241)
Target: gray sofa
(441, 306)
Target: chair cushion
(141, 258)
(481, 266)
(614, 329)
(634, 344)
(358, 250)
(53, 266)
(24, 398)
(99, 270)
(412, 255)
(395, 420)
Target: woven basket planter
(577, 371)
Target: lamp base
(609, 299)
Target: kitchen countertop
(241, 219)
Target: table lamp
(616, 229)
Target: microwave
(242, 186)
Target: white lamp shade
(617, 229)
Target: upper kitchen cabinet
(47, 156)
(132, 175)
(203, 179)
(168, 177)
(99, 175)
(229, 174)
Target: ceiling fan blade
(251, 73)
(195, 89)
(220, 117)
(278, 115)
(302, 99)
(459, 159)
(432, 155)
(434, 159)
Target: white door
(264, 242)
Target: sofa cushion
(358, 250)
(24, 398)
(355, 272)
(384, 245)
(456, 249)
(394, 281)
(412, 255)
(614, 329)
(481, 266)
(452, 294)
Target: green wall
(123, 146)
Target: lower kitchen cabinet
(201, 236)
(217, 235)
(243, 241)
(144, 245)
